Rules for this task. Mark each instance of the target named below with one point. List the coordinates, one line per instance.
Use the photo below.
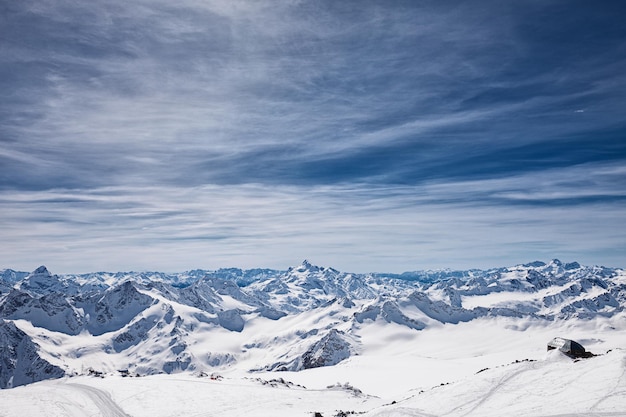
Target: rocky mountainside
(20, 362)
(265, 320)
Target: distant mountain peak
(151, 321)
(41, 281)
(42, 270)
(535, 264)
(307, 266)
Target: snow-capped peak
(166, 322)
(307, 266)
(42, 270)
(41, 282)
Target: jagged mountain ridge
(20, 362)
(154, 322)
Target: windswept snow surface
(179, 395)
(314, 339)
(548, 384)
(552, 386)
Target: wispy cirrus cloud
(477, 223)
(306, 111)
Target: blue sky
(363, 135)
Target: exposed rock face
(52, 311)
(41, 282)
(20, 363)
(115, 309)
(331, 349)
(328, 351)
(149, 322)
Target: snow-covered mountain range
(265, 320)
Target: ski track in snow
(620, 383)
(588, 415)
(101, 399)
(497, 387)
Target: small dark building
(569, 347)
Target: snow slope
(553, 386)
(444, 343)
(437, 380)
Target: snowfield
(452, 374)
(314, 340)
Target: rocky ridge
(153, 322)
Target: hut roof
(566, 346)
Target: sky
(368, 136)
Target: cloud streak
(338, 122)
(479, 223)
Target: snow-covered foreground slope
(181, 395)
(553, 386)
(423, 343)
(470, 369)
